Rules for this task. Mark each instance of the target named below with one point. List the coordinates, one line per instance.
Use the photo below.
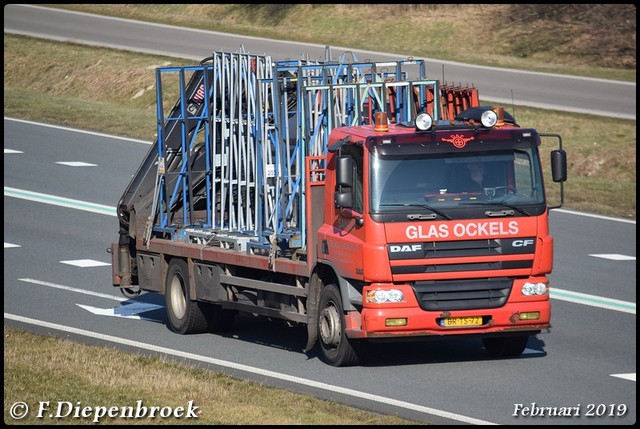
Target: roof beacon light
(423, 122)
(489, 118)
(500, 112)
(382, 122)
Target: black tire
(506, 346)
(131, 292)
(337, 349)
(184, 315)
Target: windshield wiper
(418, 216)
(500, 203)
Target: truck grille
(468, 294)
(496, 249)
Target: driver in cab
(471, 180)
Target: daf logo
(405, 248)
(522, 243)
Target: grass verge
(112, 91)
(72, 376)
(578, 39)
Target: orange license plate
(453, 322)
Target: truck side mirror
(343, 196)
(343, 200)
(559, 165)
(344, 171)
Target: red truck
(341, 196)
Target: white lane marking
(593, 300)
(73, 289)
(76, 164)
(556, 293)
(6, 151)
(595, 216)
(614, 256)
(59, 201)
(631, 376)
(9, 245)
(127, 310)
(252, 370)
(76, 130)
(132, 310)
(106, 312)
(85, 263)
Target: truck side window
(357, 154)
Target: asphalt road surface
(522, 88)
(61, 187)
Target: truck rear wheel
(506, 346)
(337, 349)
(185, 316)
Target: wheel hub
(330, 328)
(178, 300)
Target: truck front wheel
(185, 316)
(336, 348)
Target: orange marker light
(382, 122)
(500, 112)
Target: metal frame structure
(231, 152)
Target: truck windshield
(511, 178)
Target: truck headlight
(489, 118)
(385, 295)
(423, 122)
(532, 289)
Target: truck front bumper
(408, 319)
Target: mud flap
(312, 312)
